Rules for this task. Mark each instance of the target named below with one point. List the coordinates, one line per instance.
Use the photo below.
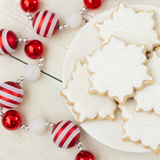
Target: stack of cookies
(124, 75)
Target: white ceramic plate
(106, 132)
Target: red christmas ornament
(34, 49)
(11, 95)
(11, 120)
(8, 42)
(45, 23)
(29, 5)
(92, 4)
(65, 134)
(84, 155)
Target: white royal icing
(89, 106)
(149, 98)
(132, 27)
(141, 125)
(117, 68)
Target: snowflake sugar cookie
(148, 98)
(85, 105)
(118, 70)
(131, 27)
(141, 126)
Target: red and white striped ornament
(45, 23)
(65, 134)
(11, 95)
(8, 42)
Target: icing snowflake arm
(130, 26)
(141, 126)
(86, 106)
(148, 98)
(109, 66)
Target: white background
(42, 97)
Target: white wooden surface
(42, 97)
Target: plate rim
(65, 62)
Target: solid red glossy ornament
(29, 5)
(11, 120)
(92, 4)
(84, 155)
(45, 23)
(34, 49)
(65, 134)
(8, 42)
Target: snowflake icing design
(85, 105)
(118, 69)
(148, 99)
(131, 27)
(141, 126)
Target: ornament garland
(65, 134)
(46, 23)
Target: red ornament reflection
(92, 4)
(34, 49)
(11, 120)
(29, 5)
(84, 155)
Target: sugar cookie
(131, 27)
(141, 126)
(85, 105)
(118, 70)
(148, 98)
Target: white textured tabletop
(42, 97)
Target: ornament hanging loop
(20, 40)
(80, 147)
(29, 15)
(83, 10)
(22, 78)
(1, 112)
